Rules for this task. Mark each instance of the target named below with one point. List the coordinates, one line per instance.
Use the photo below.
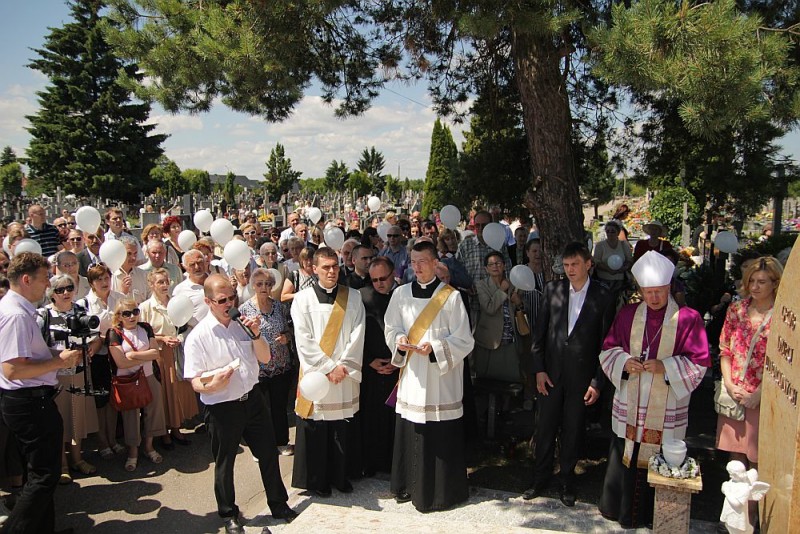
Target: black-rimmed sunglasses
(131, 313)
(63, 289)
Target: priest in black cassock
(379, 376)
(359, 276)
(427, 329)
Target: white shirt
(140, 291)
(193, 292)
(576, 300)
(22, 338)
(211, 345)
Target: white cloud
(170, 124)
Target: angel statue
(742, 488)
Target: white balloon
(113, 254)
(237, 254)
(334, 237)
(276, 274)
(87, 219)
(314, 386)
(522, 278)
(203, 220)
(314, 214)
(374, 203)
(27, 245)
(383, 230)
(494, 235)
(180, 310)
(726, 242)
(221, 231)
(450, 216)
(615, 261)
(186, 239)
(5, 246)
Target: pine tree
(441, 164)
(8, 156)
(88, 137)
(372, 163)
(280, 176)
(336, 176)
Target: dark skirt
(324, 453)
(377, 420)
(429, 463)
(627, 497)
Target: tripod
(88, 388)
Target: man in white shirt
(130, 280)
(293, 219)
(572, 322)
(192, 287)
(235, 408)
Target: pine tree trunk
(553, 199)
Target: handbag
(130, 392)
(523, 327)
(724, 404)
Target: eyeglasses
(62, 225)
(249, 233)
(382, 279)
(63, 289)
(72, 224)
(76, 239)
(264, 284)
(495, 264)
(131, 313)
(224, 300)
(392, 235)
(270, 253)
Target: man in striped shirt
(41, 231)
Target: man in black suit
(574, 317)
(90, 255)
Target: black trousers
(276, 392)
(39, 431)
(227, 423)
(627, 497)
(563, 409)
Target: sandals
(84, 467)
(118, 449)
(130, 464)
(106, 454)
(65, 478)
(154, 456)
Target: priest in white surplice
(329, 332)
(427, 329)
(655, 355)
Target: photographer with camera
(65, 324)
(28, 384)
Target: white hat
(653, 270)
(654, 229)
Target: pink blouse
(734, 342)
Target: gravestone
(778, 451)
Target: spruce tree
(372, 163)
(336, 176)
(441, 164)
(8, 156)
(280, 176)
(88, 136)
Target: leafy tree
(667, 207)
(198, 181)
(167, 175)
(280, 176)
(229, 189)
(360, 183)
(11, 179)
(88, 136)
(394, 187)
(311, 186)
(336, 176)
(8, 156)
(441, 166)
(372, 163)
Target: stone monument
(778, 441)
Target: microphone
(236, 315)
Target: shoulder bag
(130, 392)
(724, 404)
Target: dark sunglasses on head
(382, 279)
(224, 300)
(63, 289)
(131, 313)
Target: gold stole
(304, 407)
(659, 390)
(423, 322)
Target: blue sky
(399, 124)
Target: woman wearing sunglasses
(77, 411)
(180, 401)
(133, 346)
(67, 263)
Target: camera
(81, 324)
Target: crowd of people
(400, 322)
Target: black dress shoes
(233, 525)
(402, 497)
(285, 513)
(324, 493)
(347, 487)
(567, 496)
(534, 492)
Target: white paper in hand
(233, 365)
